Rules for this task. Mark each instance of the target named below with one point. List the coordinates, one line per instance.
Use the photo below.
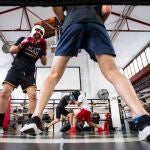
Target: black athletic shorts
(17, 77)
(61, 111)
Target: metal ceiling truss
(71, 2)
(121, 21)
(25, 11)
(122, 17)
(118, 27)
(132, 19)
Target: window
(126, 73)
(147, 51)
(132, 69)
(135, 66)
(144, 59)
(129, 71)
(138, 63)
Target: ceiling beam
(132, 19)
(9, 10)
(27, 17)
(40, 18)
(121, 22)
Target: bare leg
(4, 97)
(93, 124)
(74, 121)
(53, 122)
(58, 68)
(31, 92)
(70, 115)
(121, 83)
(73, 127)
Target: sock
(36, 120)
(30, 115)
(1, 119)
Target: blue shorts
(91, 37)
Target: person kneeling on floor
(83, 114)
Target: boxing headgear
(34, 30)
(72, 98)
(76, 94)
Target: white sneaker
(1, 130)
(145, 134)
(30, 129)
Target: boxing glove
(42, 44)
(26, 42)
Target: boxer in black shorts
(28, 51)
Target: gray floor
(78, 141)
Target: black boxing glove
(42, 44)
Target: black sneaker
(46, 129)
(143, 125)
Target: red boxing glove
(26, 42)
(43, 46)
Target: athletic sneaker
(72, 130)
(32, 127)
(100, 129)
(1, 130)
(143, 125)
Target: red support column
(7, 116)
